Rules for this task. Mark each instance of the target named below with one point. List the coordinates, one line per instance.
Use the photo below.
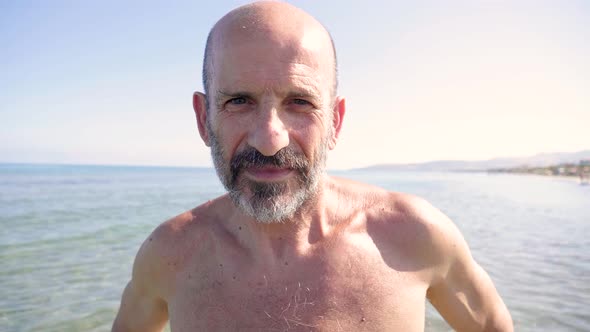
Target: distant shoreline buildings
(581, 170)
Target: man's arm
(140, 312)
(462, 291)
(141, 307)
(468, 300)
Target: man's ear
(200, 107)
(337, 117)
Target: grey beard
(269, 202)
(276, 208)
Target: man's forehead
(281, 70)
(261, 81)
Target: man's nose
(269, 133)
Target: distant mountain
(538, 160)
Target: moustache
(252, 158)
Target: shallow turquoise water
(69, 235)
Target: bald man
(290, 248)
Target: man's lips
(268, 173)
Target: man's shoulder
(193, 218)
(190, 227)
(402, 213)
(421, 231)
(392, 206)
(402, 222)
(166, 250)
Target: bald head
(281, 25)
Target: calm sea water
(69, 234)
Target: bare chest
(350, 289)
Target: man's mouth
(268, 173)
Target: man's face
(269, 123)
(269, 201)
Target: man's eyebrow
(300, 94)
(304, 92)
(221, 93)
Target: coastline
(571, 178)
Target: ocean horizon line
(145, 166)
(53, 164)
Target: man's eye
(300, 105)
(238, 101)
(300, 102)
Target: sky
(111, 82)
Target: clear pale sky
(110, 82)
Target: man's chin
(276, 208)
(267, 190)
(272, 210)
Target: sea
(69, 234)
